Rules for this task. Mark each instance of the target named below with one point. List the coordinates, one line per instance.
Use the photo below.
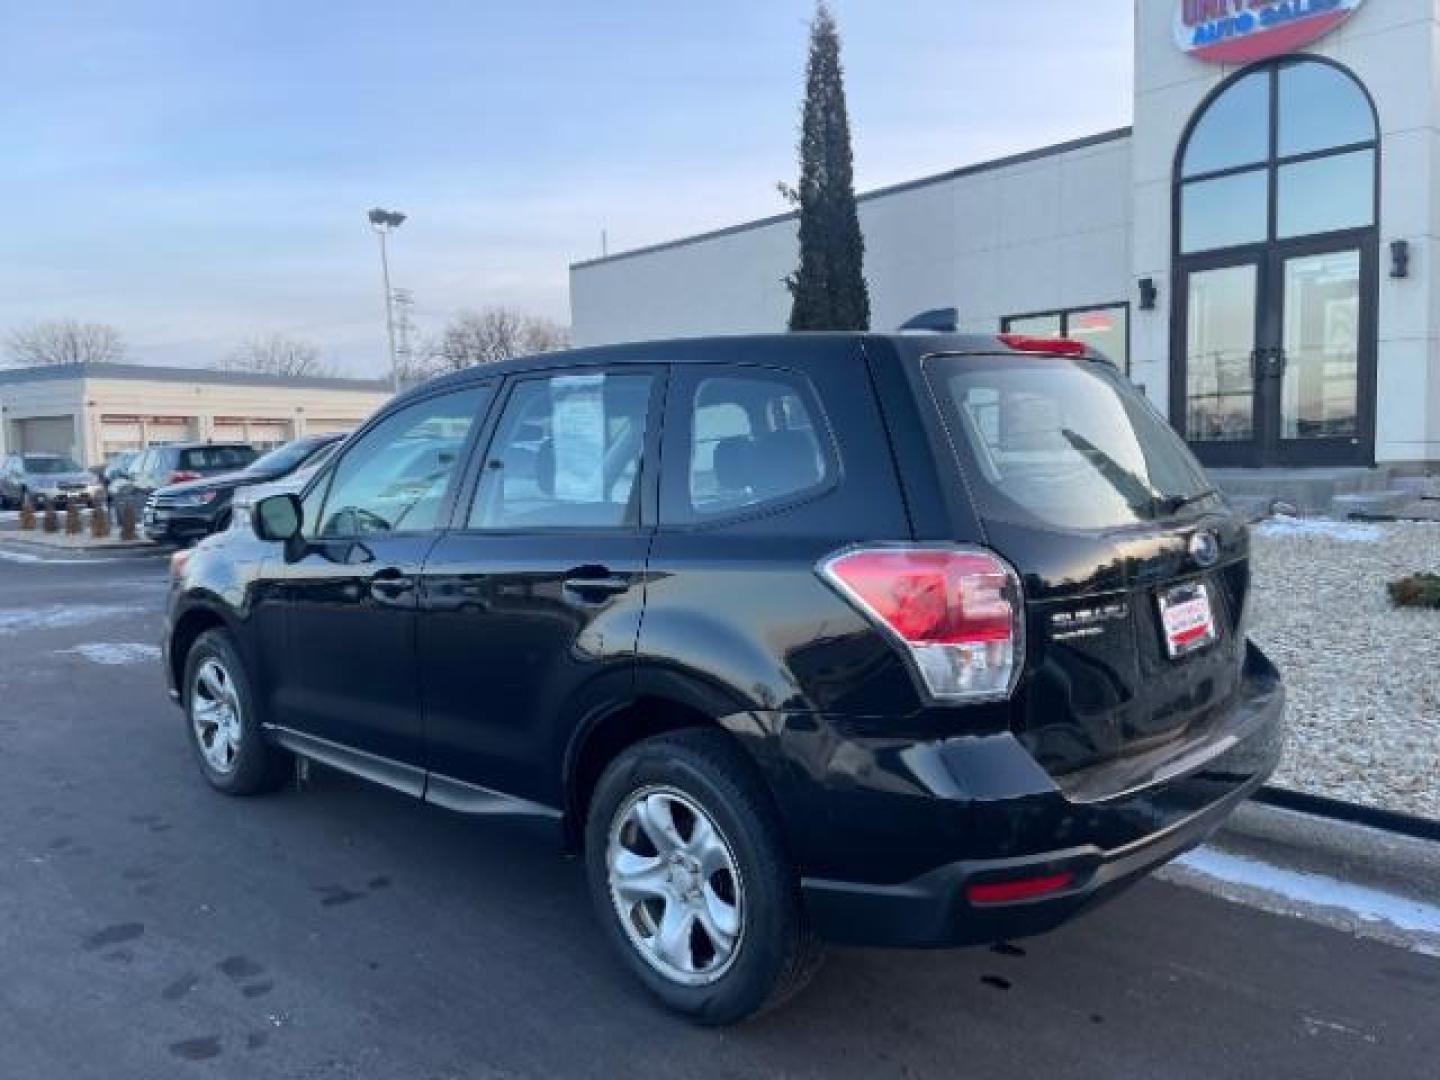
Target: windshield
(1059, 442)
(49, 466)
(284, 458)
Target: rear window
(1061, 442)
(217, 457)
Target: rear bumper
(1003, 819)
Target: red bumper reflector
(1005, 892)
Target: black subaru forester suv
(913, 641)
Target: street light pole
(384, 222)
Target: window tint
(1235, 129)
(1326, 194)
(566, 454)
(753, 440)
(395, 477)
(1225, 212)
(217, 457)
(1038, 325)
(1061, 443)
(1320, 110)
(1321, 107)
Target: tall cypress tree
(829, 287)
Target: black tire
(777, 953)
(257, 766)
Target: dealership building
(1258, 251)
(92, 411)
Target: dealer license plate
(1188, 619)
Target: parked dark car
(183, 512)
(176, 463)
(911, 641)
(116, 468)
(53, 479)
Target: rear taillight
(180, 476)
(958, 612)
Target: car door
(532, 602)
(347, 675)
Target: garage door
(268, 434)
(47, 435)
(119, 433)
(167, 429)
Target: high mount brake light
(1045, 346)
(958, 612)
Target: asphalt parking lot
(149, 927)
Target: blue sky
(199, 173)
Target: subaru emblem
(1205, 548)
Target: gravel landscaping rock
(1363, 677)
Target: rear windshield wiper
(1175, 503)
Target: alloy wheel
(675, 886)
(215, 715)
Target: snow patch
(1349, 531)
(27, 559)
(58, 617)
(117, 653)
(1364, 903)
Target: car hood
(46, 480)
(219, 482)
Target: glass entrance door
(1276, 356)
(1318, 366)
(1218, 340)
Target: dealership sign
(1242, 31)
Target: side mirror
(278, 519)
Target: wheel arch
(189, 625)
(675, 702)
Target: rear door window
(567, 454)
(750, 438)
(1061, 442)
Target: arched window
(1284, 150)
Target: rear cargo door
(1135, 575)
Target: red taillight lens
(180, 476)
(1048, 346)
(1009, 892)
(956, 610)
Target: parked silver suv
(49, 478)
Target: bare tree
(496, 333)
(64, 341)
(276, 354)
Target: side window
(754, 438)
(566, 454)
(394, 479)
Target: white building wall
(189, 409)
(1391, 46)
(1040, 233)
